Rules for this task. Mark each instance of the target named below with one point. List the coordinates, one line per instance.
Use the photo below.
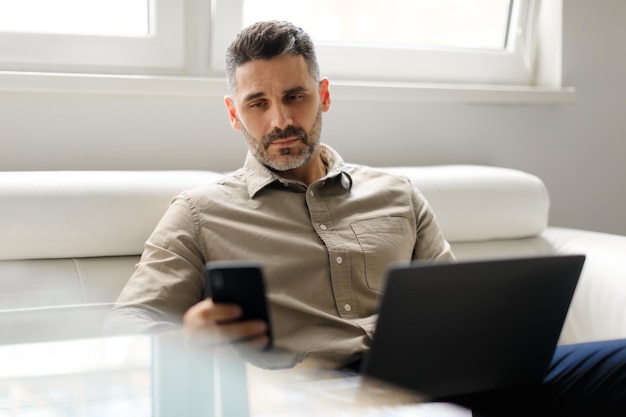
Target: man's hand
(216, 323)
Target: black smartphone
(239, 282)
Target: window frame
(209, 26)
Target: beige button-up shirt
(324, 249)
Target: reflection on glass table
(157, 376)
(94, 377)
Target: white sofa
(69, 241)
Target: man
(324, 230)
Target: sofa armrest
(598, 310)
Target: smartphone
(239, 282)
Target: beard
(289, 158)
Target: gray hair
(266, 40)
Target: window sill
(341, 90)
(452, 93)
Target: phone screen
(239, 282)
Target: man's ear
(325, 94)
(232, 113)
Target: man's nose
(281, 117)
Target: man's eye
(257, 104)
(294, 97)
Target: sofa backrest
(78, 214)
(475, 203)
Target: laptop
(448, 329)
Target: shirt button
(323, 227)
(339, 259)
(347, 307)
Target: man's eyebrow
(253, 96)
(294, 90)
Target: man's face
(278, 107)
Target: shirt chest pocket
(383, 241)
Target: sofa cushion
(479, 203)
(49, 299)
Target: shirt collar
(258, 176)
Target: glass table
(155, 376)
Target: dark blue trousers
(584, 379)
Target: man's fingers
(215, 324)
(243, 330)
(207, 314)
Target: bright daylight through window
(478, 24)
(126, 18)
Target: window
(477, 42)
(93, 36)
(482, 41)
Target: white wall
(577, 149)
